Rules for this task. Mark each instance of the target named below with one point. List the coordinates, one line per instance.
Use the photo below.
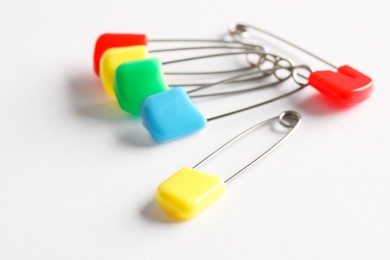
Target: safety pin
(170, 114)
(128, 78)
(113, 58)
(106, 41)
(116, 40)
(134, 81)
(188, 192)
(346, 85)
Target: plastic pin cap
(114, 40)
(171, 115)
(137, 80)
(188, 192)
(114, 57)
(347, 86)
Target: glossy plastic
(137, 80)
(347, 86)
(188, 192)
(114, 40)
(171, 115)
(114, 57)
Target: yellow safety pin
(188, 192)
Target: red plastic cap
(347, 86)
(113, 40)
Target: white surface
(77, 179)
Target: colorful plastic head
(115, 40)
(171, 115)
(137, 80)
(114, 57)
(346, 86)
(188, 192)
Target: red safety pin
(111, 40)
(345, 85)
(116, 40)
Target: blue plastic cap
(171, 115)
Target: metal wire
(288, 119)
(240, 31)
(262, 57)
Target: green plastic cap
(137, 80)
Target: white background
(78, 178)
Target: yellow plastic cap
(188, 192)
(114, 57)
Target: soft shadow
(153, 213)
(89, 100)
(318, 104)
(278, 128)
(134, 134)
